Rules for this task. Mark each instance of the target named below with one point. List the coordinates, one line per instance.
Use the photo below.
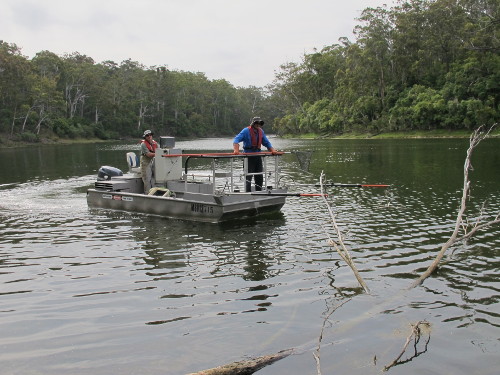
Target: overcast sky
(242, 41)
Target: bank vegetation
(417, 66)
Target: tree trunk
(41, 118)
(13, 122)
(25, 120)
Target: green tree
(14, 85)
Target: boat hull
(194, 207)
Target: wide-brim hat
(257, 120)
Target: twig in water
(341, 247)
(476, 137)
(316, 354)
(415, 334)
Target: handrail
(216, 155)
(229, 155)
(226, 154)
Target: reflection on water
(92, 291)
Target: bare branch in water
(476, 137)
(415, 335)
(317, 354)
(340, 246)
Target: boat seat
(161, 192)
(133, 162)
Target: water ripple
(82, 289)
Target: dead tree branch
(340, 247)
(246, 367)
(415, 334)
(317, 354)
(476, 137)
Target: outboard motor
(105, 173)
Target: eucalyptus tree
(128, 96)
(428, 37)
(14, 86)
(374, 39)
(161, 92)
(256, 101)
(225, 102)
(205, 103)
(323, 67)
(447, 33)
(47, 64)
(409, 58)
(188, 102)
(483, 25)
(289, 85)
(457, 82)
(143, 99)
(102, 101)
(289, 92)
(47, 101)
(250, 103)
(76, 78)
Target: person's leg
(252, 165)
(248, 179)
(259, 179)
(248, 184)
(144, 167)
(147, 174)
(148, 184)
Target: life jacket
(151, 147)
(256, 139)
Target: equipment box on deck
(167, 142)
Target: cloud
(243, 41)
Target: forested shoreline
(417, 66)
(420, 65)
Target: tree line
(421, 64)
(418, 65)
(71, 96)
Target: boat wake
(40, 197)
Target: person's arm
(155, 146)
(236, 141)
(145, 151)
(267, 144)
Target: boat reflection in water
(211, 196)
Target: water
(95, 292)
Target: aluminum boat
(209, 193)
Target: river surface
(98, 292)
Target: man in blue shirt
(253, 138)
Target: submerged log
(246, 367)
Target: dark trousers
(254, 166)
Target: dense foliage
(74, 97)
(421, 64)
(416, 66)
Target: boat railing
(227, 181)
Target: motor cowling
(106, 173)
